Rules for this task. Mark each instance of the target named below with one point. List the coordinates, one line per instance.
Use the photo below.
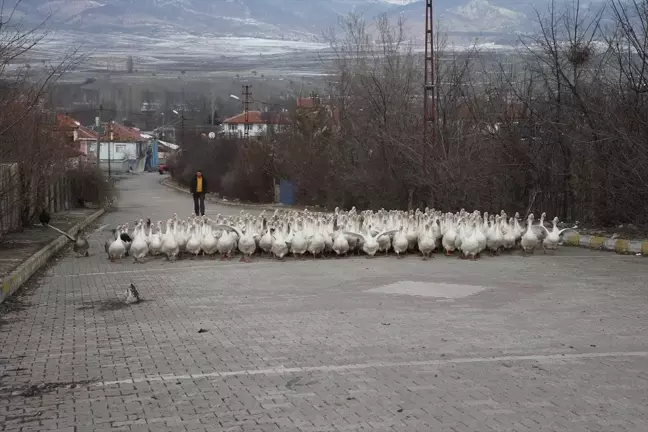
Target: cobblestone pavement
(545, 343)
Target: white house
(122, 147)
(257, 123)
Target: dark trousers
(199, 203)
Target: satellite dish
(212, 135)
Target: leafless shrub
(213, 157)
(88, 184)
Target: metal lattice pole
(246, 111)
(429, 98)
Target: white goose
(385, 241)
(117, 249)
(318, 234)
(411, 233)
(401, 242)
(265, 243)
(352, 224)
(317, 242)
(470, 243)
(226, 244)
(148, 232)
(139, 249)
(370, 245)
(529, 239)
(155, 248)
(280, 244)
(553, 237)
(494, 237)
(509, 239)
(180, 236)
(517, 228)
(209, 241)
(298, 243)
(450, 236)
(170, 246)
(426, 241)
(247, 243)
(340, 243)
(479, 233)
(194, 242)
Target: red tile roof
(305, 103)
(256, 117)
(68, 124)
(83, 133)
(123, 133)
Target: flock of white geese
(305, 233)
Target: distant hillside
(277, 19)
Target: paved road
(546, 343)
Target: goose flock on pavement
(342, 233)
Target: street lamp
(246, 117)
(181, 125)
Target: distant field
(204, 56)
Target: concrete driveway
(545, 343)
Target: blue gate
(154, 154)
(286, 192)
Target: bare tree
(33, 152)
(21, 83)
(559, 126)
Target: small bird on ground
(132, 296)
(81, 244)
(44, 217)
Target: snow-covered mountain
(277, 19)
(470, 16)
(262, 18)
(400, 2)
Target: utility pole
(110, 144)
(429, 98)
(246, 111)
(99, 127)
(212, 107)
(182, 135)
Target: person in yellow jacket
(198, 189)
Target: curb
(608, 244)
(25, 270)
(169, 183)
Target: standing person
(198, 190)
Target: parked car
(163, 168)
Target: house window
(231, 127)
(248, 127)
(121, 148)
